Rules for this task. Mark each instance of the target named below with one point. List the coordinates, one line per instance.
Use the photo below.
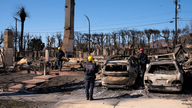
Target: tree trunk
(21, 38)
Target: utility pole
(176, 22)
(176, 7)
(89, 34)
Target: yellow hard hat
(90, 58)
(59, 48)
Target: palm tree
(22, 14)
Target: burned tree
(78, 40)
(114, 39)
(102, 36)
(36, 44)
(166, 34)
(58, 36)
(98, 41)
(94, 42)
(48, 43)
(142, 39)
(133, 37)
(155, 37)
(148, 34)
(122, 34)
(22, 14)
(1, 38)
(128, 37)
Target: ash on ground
(72, 87)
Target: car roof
(163, 61)
(117, 61)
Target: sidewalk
(123, 103)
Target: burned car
(164, 75)
(120, 72)
(99, 61)
(158, 57)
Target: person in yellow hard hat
(59, 55)
(90, 69)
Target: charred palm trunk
(21, 38)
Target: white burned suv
(120, 72)
(164, 75)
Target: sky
(46, 17)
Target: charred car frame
(164, 75)
(120, 72)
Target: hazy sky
(46, 17)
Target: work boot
(91, 98)
(87, 98)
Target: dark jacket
(90, 69)
(59, 54)
(143, 58)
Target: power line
(105, 25)
(125, 23)
(129, 26)
(46, 32)
(186, 20)
(147, 10)
(148, 16)
(47, 29)
(99, 25)
(114, 28)
(186, 12)
(110, 28)
(10, 23)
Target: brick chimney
(8, 38)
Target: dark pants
(143, 69)
(59, 64)
(89, 85)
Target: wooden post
(46, 55)
(45, 68)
